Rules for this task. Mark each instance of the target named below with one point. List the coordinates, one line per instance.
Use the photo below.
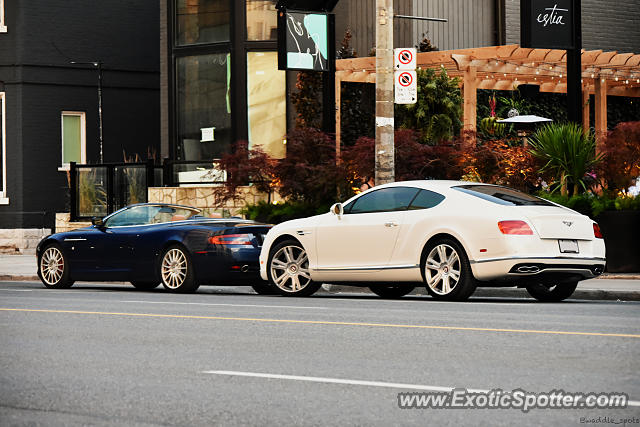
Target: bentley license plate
(568, 246)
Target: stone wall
(63, 223)
(204, 198)
(21, 240)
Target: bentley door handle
(390, 224)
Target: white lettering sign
(553, 18)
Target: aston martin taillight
(597, 233)
(231, 239)
(515, 227)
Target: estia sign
(547, 24)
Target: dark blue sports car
(152, 243)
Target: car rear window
(502, 195)
(426, 199)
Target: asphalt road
(109, 355)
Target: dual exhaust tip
(528, 269)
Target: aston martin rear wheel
(53, 268)
(145, 286)
(391, 291)
(176, 270)
(288, 270)
(447, 272)
(552, 292)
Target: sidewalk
(617, 286)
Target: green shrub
(276, 213)
(569, 154)
(591, 205)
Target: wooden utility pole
(385, 166)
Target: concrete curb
(18, 278)
(582, 294)
(326, 289)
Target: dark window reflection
(202, 21)
(204, 106)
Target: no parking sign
(405, 76)
(406, 87)
(404, 58)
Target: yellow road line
(325, 322)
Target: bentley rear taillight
(231, 239)
(597, 233)
(515, 227)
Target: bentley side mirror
(97, 222)
(337, 209)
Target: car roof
(429, 184)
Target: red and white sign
(406, 87)
(404, 58)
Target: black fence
(100, 189)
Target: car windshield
(502, 195)
(150, 214)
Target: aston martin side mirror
(337, 209)
(98, 222)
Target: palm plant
(569, 153)
(438, 109)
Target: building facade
(220, 81)
(49, 56)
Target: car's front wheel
(288, 270)
(176, 270)
(447, 272)
(391, 291)
(552, 292)
(54, 268)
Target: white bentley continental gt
(451, 236)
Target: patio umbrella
(525, 119)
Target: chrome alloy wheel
(290, 269)
(174, 268)
(442, 269)
(52, 265)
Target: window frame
(3, 27)
(355, 201)
(4, 200)
(83, 138)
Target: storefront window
(204, 106)
(262, 21)
(266, 100)
(202, 21)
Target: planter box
(621, 230)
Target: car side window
(137, 215)
(383, 200)
(426, 199)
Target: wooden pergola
(507, 67)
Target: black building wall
(43, 37)
(606, 24)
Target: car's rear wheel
(447, 273)
(391, 291)
(145, 286)
(54, 268)
(552, 292)
(264, 289)
(288, 270)
(176, 270)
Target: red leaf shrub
(413, 160)
(621, 164)
(309, 172)
(244, 166)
